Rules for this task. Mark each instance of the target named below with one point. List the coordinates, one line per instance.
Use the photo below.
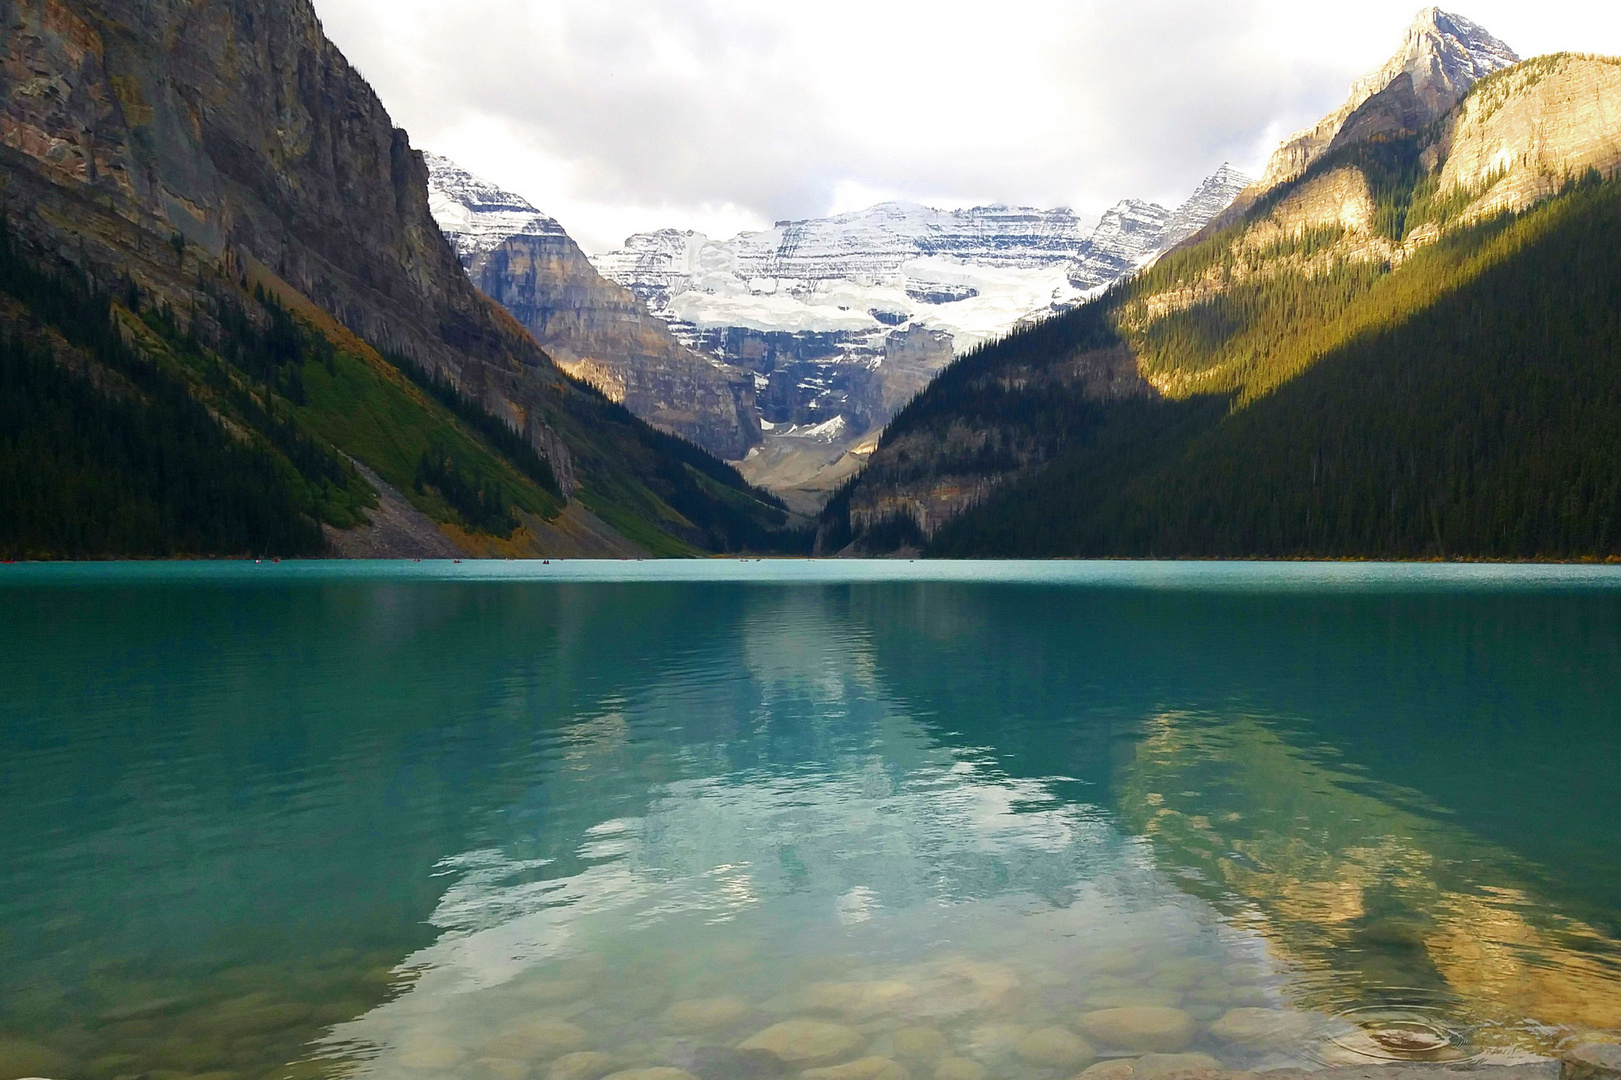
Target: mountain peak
(476, 215)
(1445, 54)
(1442, 55)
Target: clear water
(429, 820)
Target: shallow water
(429, 820)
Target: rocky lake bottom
(1021, 823)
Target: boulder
(1153, 996)
(1152, 1067)
(956, 1068)
(583, 1065)
(869, 1068)
(1055, 1047)
(1149, 1028)
(807, 1043)
(1262, 1029)
(1591, 1061)
(920, 1044)
(858, 999)
(706, 1014)
(539, 1040)
(652, 1074)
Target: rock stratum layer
(595, 329)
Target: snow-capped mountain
(1127, 235)
(593, 328)
(1214, 195)
(1442, 55)
(844, 318)
(476, 216)
(974, 274)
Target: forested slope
(1388, 355)
(1485, 423)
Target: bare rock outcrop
(1523, 134)
(595, 329)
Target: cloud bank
(721, 115)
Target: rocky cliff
(239, 127)
(1529, 130)
(1441, 57)
(595, 329)
(162, 147)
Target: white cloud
(718, 115)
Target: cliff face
(1441, 57)
(237, 126)
(1529, 129)
(190, 148)
(595, 329)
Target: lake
(519, 821)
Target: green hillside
(124, 435)
(1463, 401)
(1470, 405)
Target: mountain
(237, 328)
(1440, 58)
(1408, 350)
(593, 328)
(828, 312)
(1128, 234)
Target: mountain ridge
(213, 171)
(1396, 221)
(595, 329)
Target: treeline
(1481, 422)
(482, 503)
(510, 443)
(108, 455)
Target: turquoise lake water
(515, 821)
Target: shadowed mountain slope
(1400, 352)
(218, 172)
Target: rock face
(1440, 58)
(239, 127)
(1522, 135)
(1128, 234)
(593, 328)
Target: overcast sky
(617, 116)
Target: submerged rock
(706, 1014)
(1128, 997)
(1261, 1029)
(1152, 1067)
(1592, 1061)
(921, 1044)
(956, 1068)
(1056, 1047)
(807, 1042)
(540, 1040)
(859, 999)
(430, 1054)
(725, 1063)
(583, 1065)
(505, 1068)
(1140, 1027)
(653, 1074)
(871, 1068)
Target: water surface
(432, 820)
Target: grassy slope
(1467, 405)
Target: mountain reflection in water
(409, 821)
